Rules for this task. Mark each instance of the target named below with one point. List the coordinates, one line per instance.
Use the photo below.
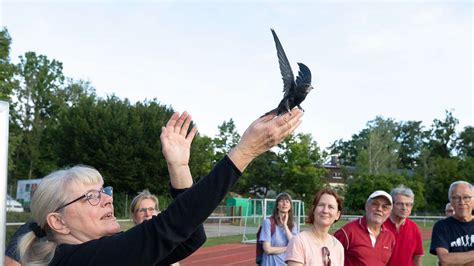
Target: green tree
(119, 139)
(226, 139)
(38, 106)
(380, 152)
(360, 187)
(441, 173)
(8, 83)
(348, 151)
(466, 169)
(443, 136)
(262, 175)
(202, 154)
(411, 137)
(77, 90)
(438, 165)
(7, 70)
(466, 142)
(301, 157)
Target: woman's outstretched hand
(176, 148)
(263, 134)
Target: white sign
(25, 189)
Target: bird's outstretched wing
(304, 75)
(285, 68)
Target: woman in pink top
(316, 246)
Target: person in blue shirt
(274, 244)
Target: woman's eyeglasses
(326, 258)
(92, 196)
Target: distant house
(337, 175)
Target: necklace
(319, 240)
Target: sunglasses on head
(326, 258)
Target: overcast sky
(406, 60)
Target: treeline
(388, 153)
(56, 122)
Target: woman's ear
(57, 224)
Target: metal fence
(224, 225)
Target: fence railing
(235, 225)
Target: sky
(405, 60)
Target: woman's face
(326, 211)
(86, 222)
(284, 205)
(146, 210)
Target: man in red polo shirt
(408, 249)
(365, 240)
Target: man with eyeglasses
(366, 241)
(408, 249)
(452, 239)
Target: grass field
(428, 259)
(214, 241)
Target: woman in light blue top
(275, 241)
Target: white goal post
(259, 209)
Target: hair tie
(39, 232)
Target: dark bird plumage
(294, 92)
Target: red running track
(225, 254)
(235, 254)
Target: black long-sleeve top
(195, 241)
(160, 239)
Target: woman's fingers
(192, 133)
(172, 120)
(292, 121)
(185, 127)
(289, 128)
(284, 126)
(179, 123)
(289, 118)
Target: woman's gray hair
(145, 194)
(402, 190)
(457, 183)
(52, 193)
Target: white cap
(380, 193)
